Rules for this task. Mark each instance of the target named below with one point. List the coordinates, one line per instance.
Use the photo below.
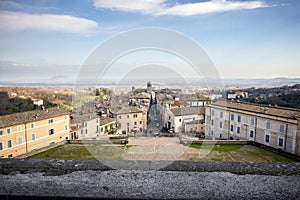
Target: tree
(97, 92)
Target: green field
(232, 147)
(238, 153)
(222, 153)
(81, 152)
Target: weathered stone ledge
(59, 167)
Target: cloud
(147, 6)
(164, 7)
(211, 7)
(15, 21)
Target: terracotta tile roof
(188, 111)
(192, 97)
(180, 103)
(30, 116)
(104, 121)
(128, 110)
(263, 109)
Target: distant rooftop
(80, 118)
(192, 97)
(142, 95)
(30, 116)
(128, 110)
(104, 121)
(263, 109)
(188, 111)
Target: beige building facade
(131, 120)
(24, 132)
(272, 126)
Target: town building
(21, 133)
(195, 126)
(131, 120)
(108, 126)
(175, 118)
(276, 127)
(192, 99)
(84, 126)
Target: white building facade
(175, 118)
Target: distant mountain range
(61, 80)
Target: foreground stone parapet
(59, 167)
(127, 184)
(66, 179)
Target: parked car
(157, 124)
(156, 134)
(171, 130)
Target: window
(1, 146)
(239, 118)
(81, 132)
(51, 131)
(128, 116)
(221, 125)
(20, 140)
(1, 132)
(32, 125)
(120, 117)
(281, 128)
(268, 125)
(169, 117)
(212, 122)
(212, 112)
(252, 121)
(212, 132)
(50, 121)
(267, 138)
(179, 120)
(9, 144)
(86, 132)
(231, 128)
(221, 114)
(238, 130)
(33, 136)
(280, 142)
(135, 123)
(101, 129)
(97, 121)
(251, 133)
(141, 122)
(66, 126)
(135, 116)
(8, 131)
(127, 124)
(19, 128)
(232, 117)
(85, 124)
(66, 117)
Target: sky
(45, 40)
